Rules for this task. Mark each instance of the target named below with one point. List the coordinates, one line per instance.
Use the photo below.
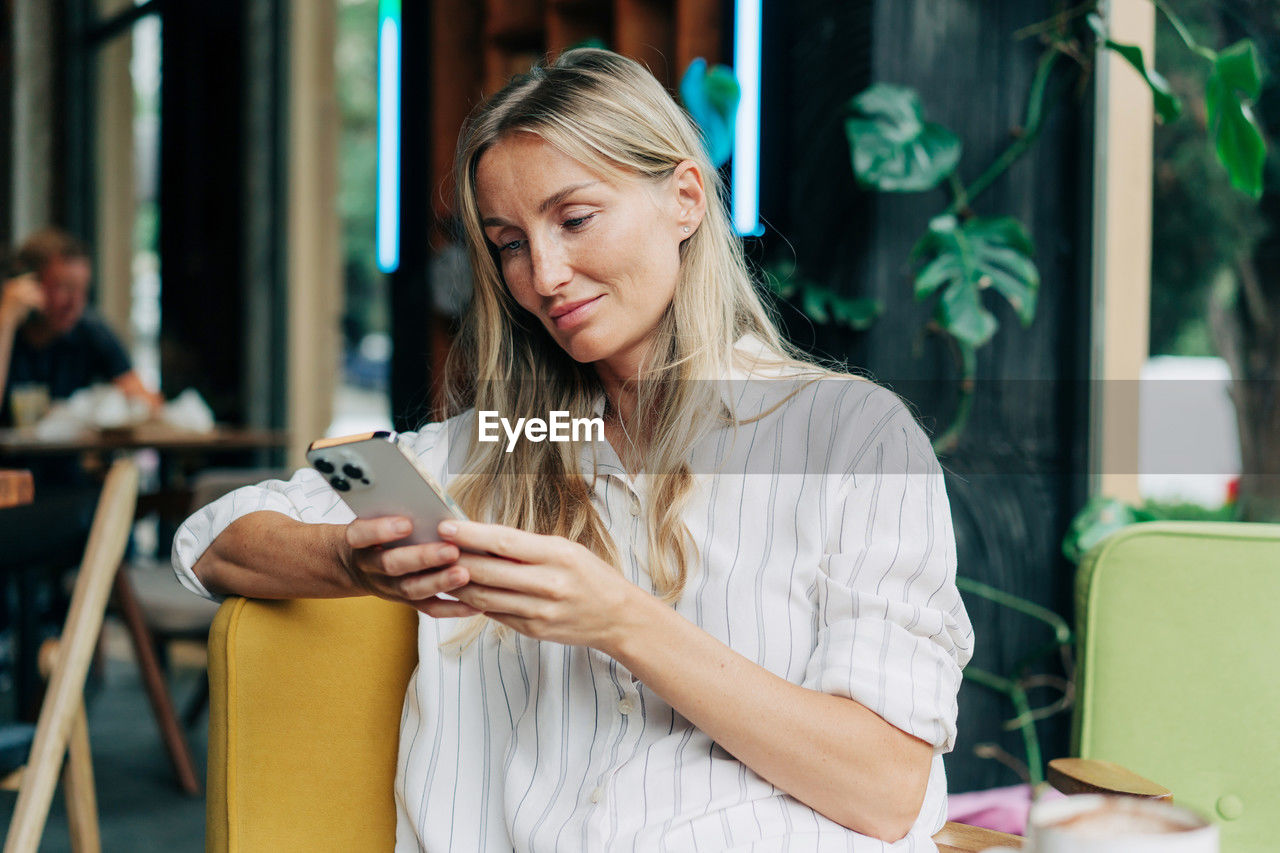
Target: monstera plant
(961, 255)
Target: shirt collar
(734, 387)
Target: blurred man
(47, 340)
(49, 349)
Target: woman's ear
(691, 197)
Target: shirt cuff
(205, 525)
(894, 665)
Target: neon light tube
(745, 184)
(387, 224)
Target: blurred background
(265, 188)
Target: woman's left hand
(545, 587)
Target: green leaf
(813, 303)
(892, 147)
(1002, 231)
(1014, 277)
(961, 313)
(1235, 81)
(859, 314)
(963, 260)
(780, 278)
(818, 302)
(936, 273)
(1241, 68)
(1167, 104)
(1097, 520)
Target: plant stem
(1061, 630)
(1030, 738)
(1184, 33)
(1026, 723)
(959, 197)
(1057, 20)
(947, 442)
(1030, 130)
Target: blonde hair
(610, 114)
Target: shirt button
(627, 705)
(596, 794)
(635, 507)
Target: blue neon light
(387, 224)
(745, 186)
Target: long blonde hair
(610, 114)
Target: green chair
(1179, 670)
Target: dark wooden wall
(201, 172)
(1018, 476)
(223, 299)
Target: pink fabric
(1002, 809)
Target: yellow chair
(304, 718)
(61, 731)
(304, 721)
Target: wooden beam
(313, 262)
(1122, 250)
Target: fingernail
(447, 528)
(401, 526)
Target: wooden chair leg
(175, 741)
(63, 706)
(77, 784)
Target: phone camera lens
(324, 466)
(353, 471)
(340, 484)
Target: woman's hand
(545, 587)
(412, 574)
(18, 298)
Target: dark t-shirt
(87, 354)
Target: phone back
(376, 476)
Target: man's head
(61, 263)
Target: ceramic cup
(29, 403)
(1092, 823)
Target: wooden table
(172, 499)
(16, 487)
(24, 442)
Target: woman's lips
(577, 315)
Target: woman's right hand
(18, 298)
(413, 574)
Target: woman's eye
(513, 246)
(578, 221)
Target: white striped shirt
(825, 555)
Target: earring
(686, 229)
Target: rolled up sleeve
(893, 633)
(305, 497)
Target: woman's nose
(550, 267)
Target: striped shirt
(825, 555)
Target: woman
(732, 623)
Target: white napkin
(95, 407)
(107, 407)
(188, 411)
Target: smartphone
(376, 474)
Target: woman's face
(595, 258)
